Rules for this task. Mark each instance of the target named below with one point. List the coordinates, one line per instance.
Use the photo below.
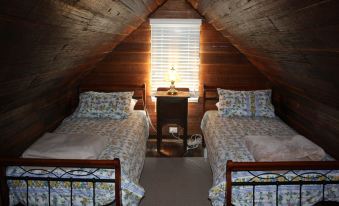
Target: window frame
(189, 25)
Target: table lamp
(172, 77)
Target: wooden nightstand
(171, 109)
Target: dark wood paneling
(295, 44)
(221, 62)
(129, 62)
(317, 121)
(176, 9)
(46, 48)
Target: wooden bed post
(4, 187)
(118, 182)
(144, 95)
(228, 189)
(209, 89)
(204, 99)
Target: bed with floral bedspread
(223, 137)
(127, 141)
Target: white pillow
(283, 148)
(217, 104)
(132, 104)
(67, 146)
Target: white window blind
(175, 43)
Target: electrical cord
(193, 141)
(149, 119)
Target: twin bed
(111, 177)
(246, 181)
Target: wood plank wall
(46, 47)
(221, 62)
(296, 45)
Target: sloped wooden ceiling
(46, 47)
(220, 62)
(296, 45)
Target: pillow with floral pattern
(234, 103)
(245, 103)
(263, 106)
(115, 105)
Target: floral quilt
(223, 137)
(127, 141)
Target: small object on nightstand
(172, 109)
(172, 77)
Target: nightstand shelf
(172, 109)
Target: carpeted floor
(176, 181)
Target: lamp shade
(172, 75)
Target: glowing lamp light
(172, 77)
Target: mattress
(224, 141)
(127, 141)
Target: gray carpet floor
(176, 181)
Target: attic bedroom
(169, 102)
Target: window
(175, 43)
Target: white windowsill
(191, 99)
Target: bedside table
(171, 109)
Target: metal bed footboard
(280, 179)
(79, 166)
